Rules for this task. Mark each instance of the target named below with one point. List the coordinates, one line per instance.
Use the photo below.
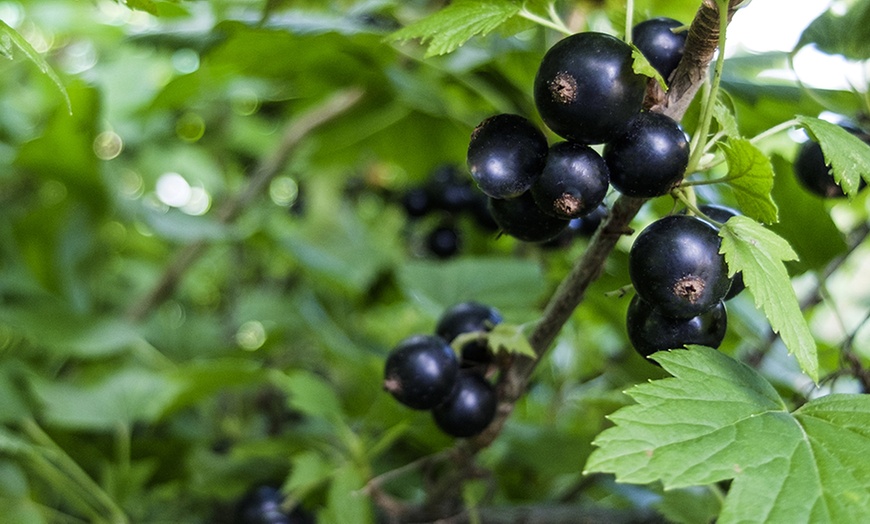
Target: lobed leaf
(759, 254)
(454, 25)
(848, 155)
(718, 419)
(750, 175)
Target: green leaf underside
(454, 25)
(750, 175)
(718, 419)
(759, 254)
(641, 66)
(848, 155)
(8, 34)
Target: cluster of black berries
(681, 282)
(586, 91)
(423, 371)
(447, 195)
(814, 174)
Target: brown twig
(295, 132)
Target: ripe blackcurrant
(470, 407)
(521, 218)
(421, 371)
(660, 44)
(585, 88)
(449, 190)
(444, 241)
(675, 264)
(468, 317)
(650, 158)
(573, 183)
(416, 202)
(505, 155)
(650, 331)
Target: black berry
(416, 202)
(468, 317)
(650, 331)
(505, 155)
(444, 241)
(660, 44)
(675, 264)
(573, 183)
(650, 158)
(449, 190)
(470, 408)
(521, 218)
(585, 88)
(421, 371)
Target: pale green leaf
(309, 470)
(718, 419)
(346, 502)
(641, 66)
(726, 120)
(454, 25)
(848, 155)
(312, 395)
(750, 175)
(511, 339)
(759, 254)
(8, 34)
(126, 396)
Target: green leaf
(725, 117)
(750, 175)
(511, 339)
(9, 35)
(309, 471)
(841, 33)
(759, 254)
(454, 25)
(346, 502)
(499, 282)
(123, 397)
(641, 66)
(805, 222)
(312, 395)
(718, 419)
(848, 155)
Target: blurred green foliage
(263, 365)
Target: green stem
(629, 20)
(553, 22)
(69, 490)
(71, 468)
(774, 130)
(700, 138)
